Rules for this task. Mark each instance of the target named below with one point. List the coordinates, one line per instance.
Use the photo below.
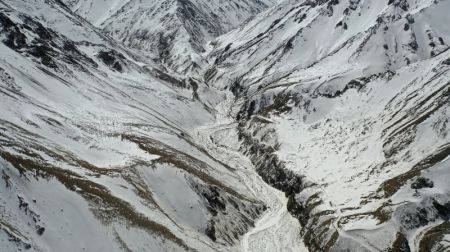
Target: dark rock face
(112, 59)
(45, 53)
(422, 182)
(215, 202)
(402, 4)
(400, 244)
(40, 47)
(45, 46)
(442, 209)
(40, 230)
(416, 216)
(15, 39)
(236, 88)
(168, 78)
(211, 231)
(231, 217)
(446, 62)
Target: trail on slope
(276, 230)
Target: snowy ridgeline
(97, 145)
(346, 109)
(174, 32)
(131, 126)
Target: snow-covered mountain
(228, 125)
(97, 148)
(359, 37)
(346, 109)
(174, 32)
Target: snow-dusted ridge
(96, 151)
(173, 32)
(357, 99)
(312, 126)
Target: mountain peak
(172, 31)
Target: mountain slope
(358, 36)
(315, 123)
(175, 32)
(346, 105)
(96, 151)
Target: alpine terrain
(226, 125)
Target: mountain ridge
(347, 88)
(173, 32)
(313, 126)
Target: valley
(241, 125)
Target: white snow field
(228, 125)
